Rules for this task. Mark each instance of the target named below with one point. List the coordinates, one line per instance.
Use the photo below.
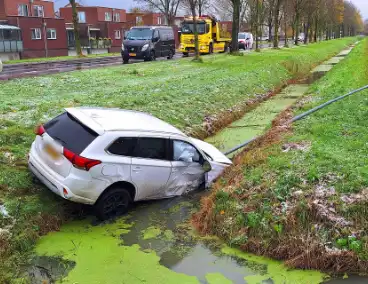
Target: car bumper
(137, 55)
(57, 183)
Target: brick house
(144, 19)
(42, 34)
(101, 29)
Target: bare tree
(168, 8)
(201, 6)
(76, 28)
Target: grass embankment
(300, 194)
(180, 92)
(59, 58)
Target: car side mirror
(207, 166)
(155, 39)
(248, 38)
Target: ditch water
(155, 243)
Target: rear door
(151, 168)
(63, 131)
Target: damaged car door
(151, 167)
(187, 172)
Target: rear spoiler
(86, 120)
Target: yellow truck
(212, 38)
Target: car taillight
(40, 130)
(79, 161)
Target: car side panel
(114, 168)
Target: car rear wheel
(112, 203)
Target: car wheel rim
(114, 205)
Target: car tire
(152, 56)
(125, 61)
(114, 202)
(171, 55)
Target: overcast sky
(126, 4)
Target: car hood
(211, 151)
(128, 42)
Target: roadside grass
(180, 92)
(58, 58)
(303, 197)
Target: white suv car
(111, 157)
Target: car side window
(123, 146)
(185, 152)
(152, 148)
(156, 34)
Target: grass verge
(300, 193)
(180, 92)
(58, 58)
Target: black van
(148, 43)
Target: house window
(38, 11)
(108, 17)
(36, 33)
(117, 34)
(81, 17)
(159, 21)
(51, 33)
(138, 20)
(116, 17)
(23, 10)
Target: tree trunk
(257, 26)
(297, 28)
(78, 47)
(315, 30)
(276, 23)
(200, 4)
(306, 33)
(235, 27)
(196, 42)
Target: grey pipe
(300, 116)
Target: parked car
(245, 41)
(148, 43)
(111, 157)
(1, 66)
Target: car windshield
(242, 36)
(188, 28)
(139, 34)
(70, 133)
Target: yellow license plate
(132, 54)
(52, 152)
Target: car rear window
(70, 133)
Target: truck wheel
(185, 54)
(114, 202)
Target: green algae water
(257, 121)
(155, 244)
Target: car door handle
(137, 169)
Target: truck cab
(211, 37)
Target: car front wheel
(112, 203)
